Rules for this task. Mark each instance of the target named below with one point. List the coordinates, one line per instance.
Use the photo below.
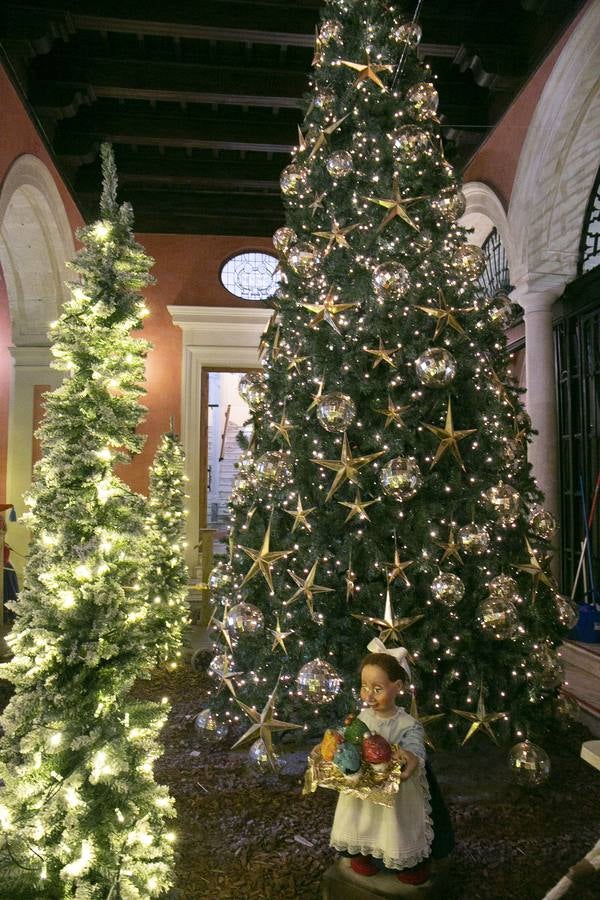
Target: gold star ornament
(396, 206)
(449, 438)
(396, 569)
(357, 507)
(323, 135)
(300, 515)
(382, 354)
(279, 636)
(424, 720)
(393, 413)
(450, 549)
(480, 719)
(307, 588)
(367, 71)
(327, 310)
(536, 571)
(337, 236)
(389, 626)
(444, 315)
(346, 468)
(263, 724)
(263, 559)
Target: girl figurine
(401, 835)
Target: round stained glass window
(251, 275)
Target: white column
(540, 398)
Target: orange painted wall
(495, 162)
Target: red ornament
(376, 750)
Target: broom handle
(587, 538)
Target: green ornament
(355, 732)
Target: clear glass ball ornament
(336, 411)
(401, 478)
(498, 617)
(283, 238)
(303, 259)
(436, 367)
(550, 669)
(244, 619)
(529, 764)
(424, 98)
(221, 666)
(447, 588)
(567, 613)
(209, 728)
(330, 32)
(542, 523)
(220, 579)
(324, 99)
(407, 33)
(252, 388)
(410, 142)
(318, 682)
(451, 207)
(293, 179)
(260, 759)
(504, 500)
(274, 469)
(505, 587)
(391, 280)
(469, 260)
(474, 538)
(340, 164)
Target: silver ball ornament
(303, 259)
(336, 411)
(504, 500)
(244, 618)
(469, 260)
(424, 98)
(220, 579)
(407, 33)
(505, 588)
(221, 666)
(324, 99)
(208, 727)
(568, 614)
(448, 588)
(401, 478)
(293, 179)
(252, 388)
(340, 164)
(550, 670)
(474, 539)
(391, 280)
(330, 31)
(435, 367)
(529, 764)
(542, 523)
(263, 761)
(451, 207)
(318, 682)
(283, 238)
(498, 617)
(274, 469)
(410, 143)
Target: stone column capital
(536, 293)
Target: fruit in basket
(347, 758)
(355, 732)
(330, 743)
(377, 752)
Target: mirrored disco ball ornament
(410, 142)
(401, 478)
(451, 206)
(324, 99)
(274, 468)
(208, 727)
(567, 613)
(221, 665)
(500, 309)
(252, 389)
(336, 411)
(293, 179)
(408, 33)
(529, 764)
(330, 31)
(424, 98)
(391, 280)
(498, 617)
(220, 579)
(542, 523)
(244, 618)
(504, 587)
(318, 682)
(435, 367)
(339, 164)
(259, 758)
(473, 539)
(447, 588)
(283, 238)
(504, 500)
(469, 260)
(303, 259)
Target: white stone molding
(558, 164)
(213, 337)
(485, 212)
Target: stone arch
(558, 164)
(485, 212)
(35, 244)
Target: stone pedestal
(341, 883)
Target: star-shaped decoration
(316, 397)
(301, 141)
(222, 626)
(397, 568)
(480, 719)
(337, 236)
(357, 507)
(444, 315)
(367, 71)
(276, 349)
(393, 413)
(536, 571)
(449, 438)
(323, 135)
(262, 725)
(396, 206)
(300, 515)
(389, 626)
(263, 559)
(350, 579)
(227, 676)
(295, 362)
(279, 636)
(382, 354)
(327, 310)
(450, 549)
(346, 468)
(307, 588)
(501, 388)
(317, 203)
(424, 720)
(283, 429)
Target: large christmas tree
(387, 491)
(80, 813)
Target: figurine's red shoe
(416, 875)
(363, 865)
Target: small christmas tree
(80, 812)
(166, 569)
(387, 493)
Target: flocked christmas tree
(387, 492)
(166, 569)
(80, 812)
